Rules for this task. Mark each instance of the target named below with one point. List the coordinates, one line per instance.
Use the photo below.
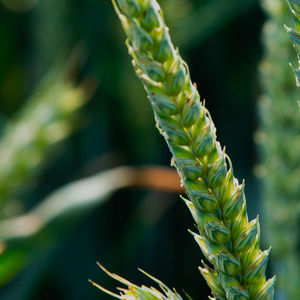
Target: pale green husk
(216, 199)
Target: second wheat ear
(216, 199)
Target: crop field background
(71, 49)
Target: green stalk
(295, 34)
(278, 139)
(216, 199)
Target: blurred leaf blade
(64, 202)
(77, 198)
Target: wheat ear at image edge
(215, 198)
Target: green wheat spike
(135, 292)
(295, 34)
(216, 199)
(279, 147)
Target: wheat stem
(216, 199)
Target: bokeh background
(73, 47)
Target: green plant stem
(216, 199)
(278, 140)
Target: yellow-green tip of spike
(134, 292)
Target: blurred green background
(136, 227)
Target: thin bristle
(104, 289)
(134, 292)
(115, 276)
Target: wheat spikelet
(216, 199)
(135, 292)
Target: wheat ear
(216, 199)
(279, 147)
(135, 292)
(295, 34)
